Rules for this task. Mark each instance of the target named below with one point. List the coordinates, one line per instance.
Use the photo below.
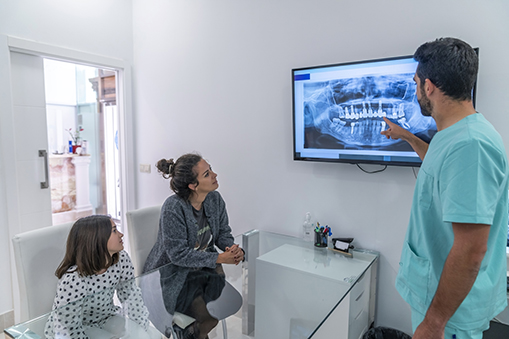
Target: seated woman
(94, 267)
(192, 221)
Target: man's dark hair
(450, 64)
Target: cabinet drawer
(362, 284)
(358, 325)
(359, 297)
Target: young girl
(94, 267)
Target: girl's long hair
(87, 247)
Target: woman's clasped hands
(231, 255)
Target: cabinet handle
(43, 153)
(360, 295)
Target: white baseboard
(6, 320)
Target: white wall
(214, 76)
(5, 266)
(102, 27)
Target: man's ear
(429, 87)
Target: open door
(30, 141)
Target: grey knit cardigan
(177, 237)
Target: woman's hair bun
(166, 167)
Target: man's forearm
(458, 276)
(420, 146)
(457, 279)
(396, 132)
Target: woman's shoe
(191, 331)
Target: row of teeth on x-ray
(350, 114)
(373, 127)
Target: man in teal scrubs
(453, 264)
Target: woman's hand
(238, 253)
(231, 255)
(226, 258)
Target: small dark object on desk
(342, 244)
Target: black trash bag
(385, 333)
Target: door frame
(8, 173)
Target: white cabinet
(298, 288)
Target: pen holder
(320, 239)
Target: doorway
(82, 125)
(24, 143)
(24, 126)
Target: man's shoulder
(473, 130)
(480, 128)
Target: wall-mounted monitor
(338, 112)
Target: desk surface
(319, 261)
(291, 252)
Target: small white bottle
(307, 228)
(84, 146)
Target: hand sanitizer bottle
(307, 228)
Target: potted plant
(76, 140)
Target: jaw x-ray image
(348, 113)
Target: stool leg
(225, 330)
(172, 333)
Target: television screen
(338, 112)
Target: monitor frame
(356, 156)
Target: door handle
(43, 153)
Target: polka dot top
(82, 302)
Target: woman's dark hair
(87, 247)
(181, 173)
(450, 64)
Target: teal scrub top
(463, 179)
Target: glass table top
(290, 276)
(237, 301)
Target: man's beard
(425, 104)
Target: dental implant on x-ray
(352, 110)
